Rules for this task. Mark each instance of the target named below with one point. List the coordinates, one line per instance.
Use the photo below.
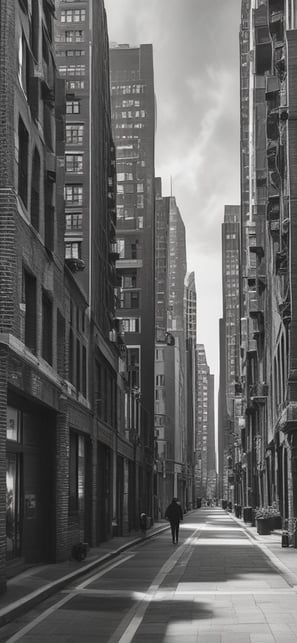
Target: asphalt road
(216, 586)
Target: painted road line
(64, 600)
(129, 625)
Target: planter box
(263, 526)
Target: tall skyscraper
(174, 366)
(204, 426)
(190, 307)
(231, 322)
(133, 122)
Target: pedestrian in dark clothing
(175, 515)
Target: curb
(14, 609)
(288, 576)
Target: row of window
(129, 125)
(127, 89)
(71, 53)
(74, 84)
(72, 70)
(123, 188)
(136, 113)
(73, 15)
(75, 35)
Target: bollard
(285, 538)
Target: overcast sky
(196, 67)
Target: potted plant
(263, 521)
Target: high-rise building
(174, 365)
(82, 55)
(204, 427)
(190, 307)
(211, 447)
(231, 332)
(133, 123)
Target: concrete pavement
(233, 607)
(41, 581)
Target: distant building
(190, 307)
(230, 363)
(174, 361)
(204, 427)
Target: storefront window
(77, 473)
(12, 506)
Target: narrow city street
(216, 586)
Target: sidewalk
(39, 582)
(284, 558)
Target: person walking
(175, 515)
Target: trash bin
(285, 538)
(248, 514)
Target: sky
(196, 73)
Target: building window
(133, 249)
(23, 163)
(30, 307)
(35, 189)
(73, 15)
(133, 356)
(71, 53)
(74, 133)
(78, 373)
(74, 84)
(70, 355)
(140, 201)
(131, 324)
(73, 107)
(121, 248)
(60, 344)
(129, 280)
(74, 163)
(73, 250)
(47, 328)
(84, 371)
(74, 194)
(73, 221)
(76, 35)
(23, 63)
(130, 299)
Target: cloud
(196, 67)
